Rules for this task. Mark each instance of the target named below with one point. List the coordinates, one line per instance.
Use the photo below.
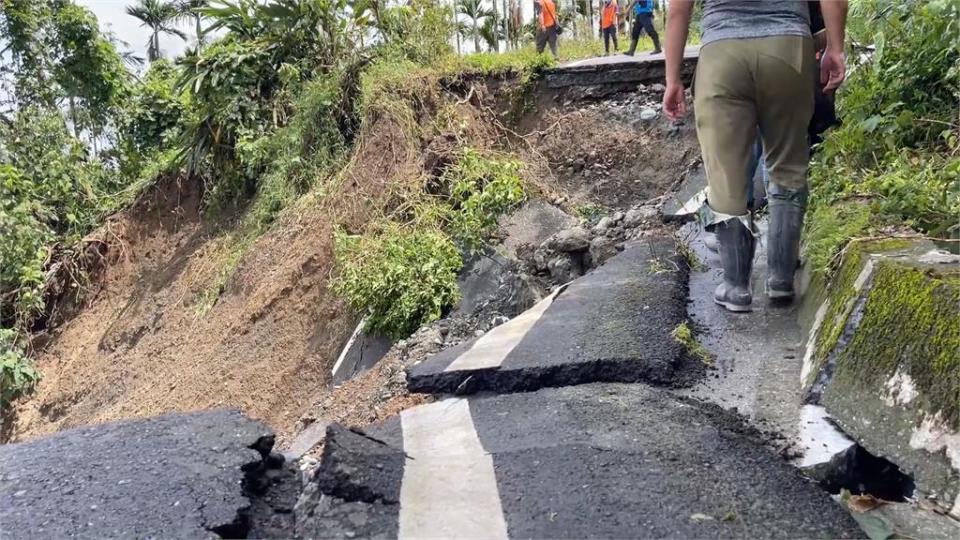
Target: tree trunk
(496, 37)
(196, 17)
(153, 53)
(590, 18)
(506, 25)
(476, 35)
(456, 25)
(73, 117)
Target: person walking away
(642, 20)
(547, 24)
(824, 117)
(608, 24)
(756, 68)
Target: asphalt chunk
(612, 325)
(174, 476)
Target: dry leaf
(864, 503)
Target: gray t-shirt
(739, 19)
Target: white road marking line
(346, 348)
(490, 350)
(449, 488)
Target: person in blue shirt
(643, 20)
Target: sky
(113, 16)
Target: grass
(684, 336)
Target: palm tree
(159, 16)
(192, 9)
(474, 11)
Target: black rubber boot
(787, 207)
(656, 43)
(737, 245)
(633, 47)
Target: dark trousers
(548, 36)
(643, 22)
(609, 33)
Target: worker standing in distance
(642, 21)
(608, 24)
(756, 68)
(547, 25)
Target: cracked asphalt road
(613, 325)
(174, 476)
(587, 461)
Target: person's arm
(833, 64)
(678, 24)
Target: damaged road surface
(596, 460)
(174, 476)
(612, 325)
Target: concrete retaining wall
(883, 357)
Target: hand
(833, 69)
(674, 102)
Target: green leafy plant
(400, 277)
(17, 374)
(895, 160)
(481, 189)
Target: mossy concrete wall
(883, 357)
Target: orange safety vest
(609, 14)
(548, 13)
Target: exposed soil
(170, 327)
(603, 153)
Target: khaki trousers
(741, 84)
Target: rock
(617, 217)
(601, 249)
(425, 342)
(637, 216)
(603, 225)
(657, 87)
(648, 114)
(571, 240)
(563, 268)
(540, 258)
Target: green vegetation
(923, 309)
(689, 255)
(403, 271)
(272, 109)
(895, 161)
(684, 336)
(17, 374)
(160, 17)
(842, 294)
(403, 277)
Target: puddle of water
(818, 437)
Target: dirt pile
(615, 153)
